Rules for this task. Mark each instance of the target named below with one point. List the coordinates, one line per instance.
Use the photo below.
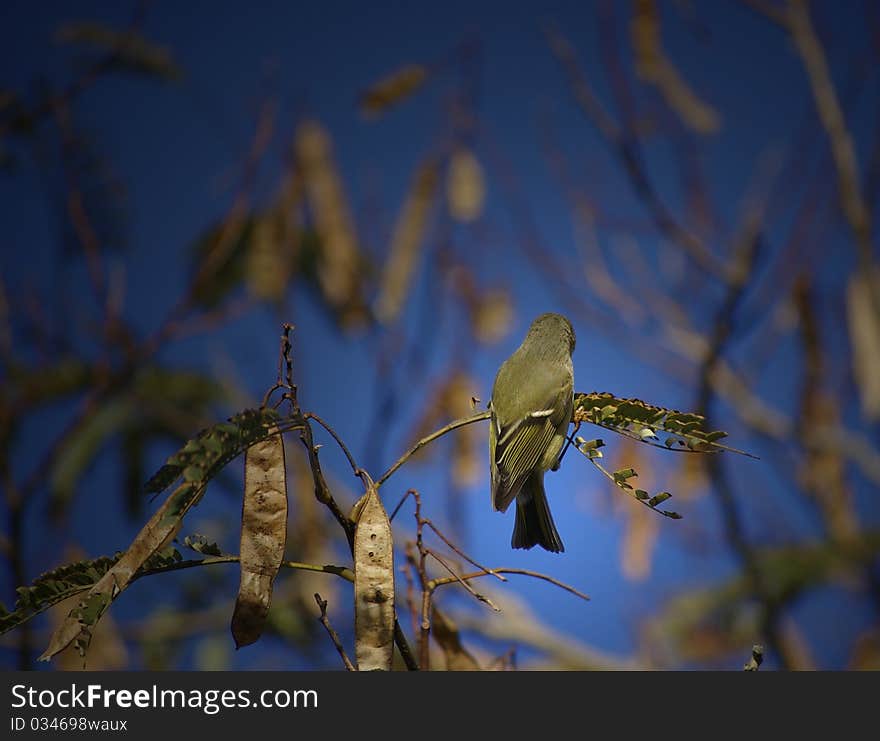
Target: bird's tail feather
(534, 523)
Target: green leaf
(639, 420)
(193, 473)
(659, 498)
(202, 456)
(200, 544)
(585, 445)
(65, 581)
(608, 411)
(641, 494)
(624, 473)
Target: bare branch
(479, 417)
(334, 636)
(440, 581)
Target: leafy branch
(641, 421)
(590, 450)
(74, 578)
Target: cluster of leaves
(642, 421)
(70, 579)
(590, 449)
(205, 454)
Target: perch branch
(430, 438)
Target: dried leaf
(864, 335)
(689, 479)
(465, 186)
(263, 536)
(393, 89)
(79, 622)
(406, 243)
(642, 527)
(107, 651)
(339, 259)
(638, 544)
(653, 66)
(373, 585)
(129, 50)
(492, 316)
(445, 632)
(268, 267)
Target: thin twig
(358, 471)
(568, 442)
(440, 581)
(476, 595)
(334, 636)
(421, 570)
(402, 644)
(666, 513)
(399, 505)
(406, 570)
(479, 417)
(342, 571)
(461, 553)
(322, 490)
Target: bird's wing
(519, 443)
(517, 452)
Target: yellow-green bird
(531, 408)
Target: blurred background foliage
(693, 184)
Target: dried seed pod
(373, 585)
(263, 536)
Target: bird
(530, 411)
